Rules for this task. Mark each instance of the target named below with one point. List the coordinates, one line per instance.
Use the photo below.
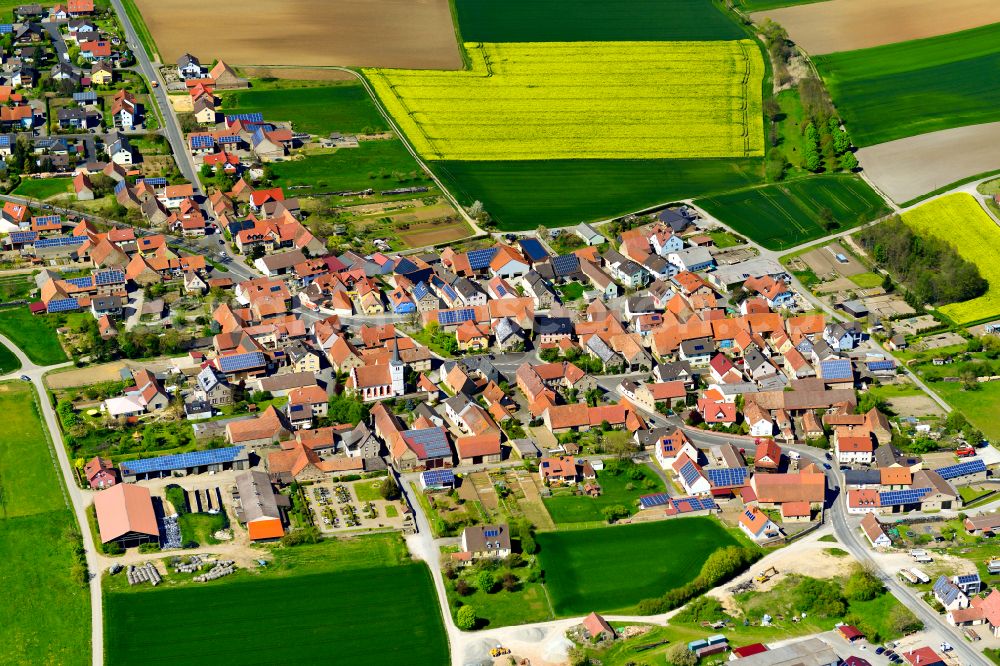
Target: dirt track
(907, 168)
(846, 25)
(373, 33)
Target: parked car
(25, 378)
(879, 650)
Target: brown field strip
(356, 33)
(431, 234)
(846, 25)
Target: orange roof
(267, 528)
(795, 509)
(479, 445)
(504, 255)
(125, 508)
(895, 476)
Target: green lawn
(344, 107)
(899, 90)
(379, 165)
(614, 491)
(43, 188)
(556, 193)
(784, 215)
(981, 407)
(201, 527)
(314, 590)
(866, 280)
(584, 568)
(723, 239)
(525, 604)
(368, 491)
(8, 362)
(571, 291)
(35, 335)
(594, 20)
(51, 624)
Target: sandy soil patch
(181, 103)
(846, 25)
(105, 372)
(365, 33)
(907, 168)
(915, 405)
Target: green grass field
(583, 568)
(594, 20)
(42, 188)
(314, 592)
(344, 107)
(760, 5)
(784, 215)
(981, 407)
(557, 193)
(8, 362)
(51, 624)
(36, 336)
(614, 490)
(899, 90)
(380, 165)
(368, 491)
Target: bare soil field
(915, 405)
(299, 73)
(846, 25)
(368, 33)
(908, 168)
(432, 233)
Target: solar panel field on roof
(155, 181)
(438, 477)
(238, 362)
(532, 248)
(182, 460)
(962, 469)
(433, 440)
(836, 369)
(6, 28)
(420, 290)
(565, 264)
(228, 138)
(22, 236)
(501, 290)
(968, 578)
(63, 305)
(897, 497)
(254, 117)
(689, 473)
(81, 281)
(108, 277)
(727, 476)
(48, 219)
(448, 317)
(59, 241)
(86, 96)
(650, 501)
(876, 366)
(120, 186)
(479, 259)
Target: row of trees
(721, 566)
(931, 270)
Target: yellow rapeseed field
(583, 100)
(960, 220)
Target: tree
(863, 585)
(390, 489)
(206, 172)
(486, 581)
(680, 655)
(614, 513)
(849, 162)
(466, 618)
(462, 587)
(509, 582)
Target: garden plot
(564, 100)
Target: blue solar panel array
(156, 181)
(120, 186)
(501, 290)
(238, 362)
(565, 264)
(689, 473)
(5, 140)
(446, 317)
(83, 282)
(438, 477)
(202, 141)
(182, 460)
(63, 305)
(836, 369)
(102, 278)
(965, 579)
(879, 366)
(532, 249)
(6, 28)
(650, 501)
(480, 259)
(420, 290)
(897, 497)
(404, 266)
(23, 236)
(255, 117)
(59, 241)
(48, 219)
(257, 137)
(491, 533)
(86, 96)
(433, 440)
(695, 503)
(962, 469)
(727, 476)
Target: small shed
(596, 628)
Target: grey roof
(753, 358)
(739, 273)
(673, 371)
(197, 407)
(654, 263)
(187, 59)
(257, 497)
(698, 346)
(946, 591)
(674, 219)
(642, 304)
(207, 379)
(466, 288)
(888, 456)
(808, 652)
(600, 349)
(505, 329)
(476, 538)
(693, 256)
(862, 477)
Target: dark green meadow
(556, 193)
(925, 85)
(594, 20)
(611, 569)
(783, 215)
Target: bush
(863, 586)
(679, 655)
(466, 618)
(112, 548)
(486, 581)
(390, 489)
(702, 609)
(462, 587)
(509, 582)
(615, 513)
(300, 537)
(149, 548)
(178, 497)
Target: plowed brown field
(846, 25)
(411, 34)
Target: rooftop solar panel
(689, 473)
(81, 281)
(438, 477)
(120, 186)
(897, 497)
(59, 240)
(532, 249)
(875, 366)
(5, 140)
(153, 182)
(449, 317)
(6, 28)
(962, 469)
(108, 277)
(433, 441)
(48, 219)
(254, 117)
(182, 460)
(727, 476)
(420, 290)
(63, 305)
(238, 362)
(480, 259)
(968, 578)
(565, 264)
(501, 290)
(86, 96)
(23, 236)
(404, 266)
(836, 369)
(649, 501)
